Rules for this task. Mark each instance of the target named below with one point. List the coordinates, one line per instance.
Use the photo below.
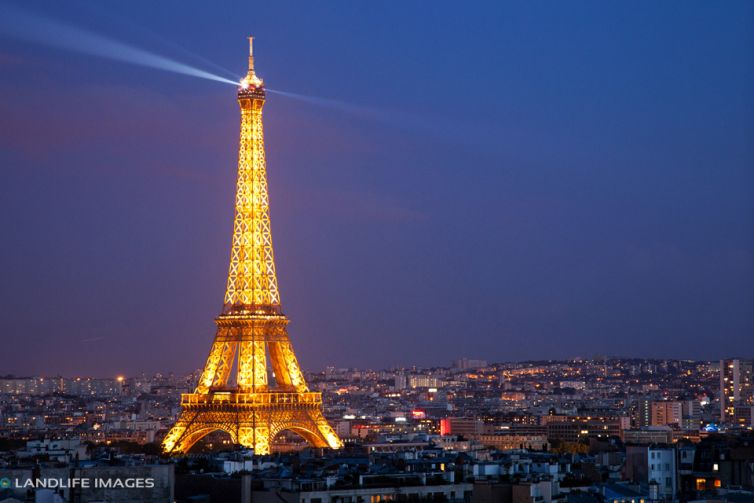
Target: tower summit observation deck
(251, 406)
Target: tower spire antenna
(251, 80)
(251, 55)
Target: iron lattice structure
(251, 327)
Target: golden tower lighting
(251, 327)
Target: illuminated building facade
(509, 441)
(251, 406)
(644, 413)
(666, 412)
(662, 470)
(735, 387)
(466, 427)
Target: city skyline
(485, 195)
(541, 427)
(406, 367)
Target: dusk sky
(513, 181)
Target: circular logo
(4, 483)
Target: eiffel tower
(251, 327)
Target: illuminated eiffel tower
(251, 327)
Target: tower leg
(217, 369)
(193, 426)
(287, 372)
(310, 424)
(252, 366)
(256, 437)
(324, 430)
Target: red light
(445, 426)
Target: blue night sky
(522, 180)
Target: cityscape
(586, 429)
(582, 260)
